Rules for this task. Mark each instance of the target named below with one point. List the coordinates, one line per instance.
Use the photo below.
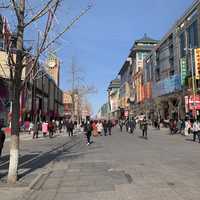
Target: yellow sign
(197, 63)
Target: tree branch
(68, 27)
(2, 6)
(39, 51)
(43, 11)
(15, 6)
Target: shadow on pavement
(30, 162)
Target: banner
(183, 64)
(197, 63)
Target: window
(1, 43)
(182, 45)
(157, 74)
(192, 32)
(142, 55)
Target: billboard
(167, 86)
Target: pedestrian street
(123, 166)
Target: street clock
(52, 63)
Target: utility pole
(193, 81)
(73, 89)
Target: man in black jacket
(88, 131)
(144, 127)
(105, 127)
(110, 125)
(2, 139)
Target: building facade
(40, 98)
(132, 90)
(113, 98)
(172, 63)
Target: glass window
(1, 43)
(192, 32)
(140, 55)
(182, 45)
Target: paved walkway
(122, 167)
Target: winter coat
(2, 138)
(99, 127)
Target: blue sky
(101, 41)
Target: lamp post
(193, 81)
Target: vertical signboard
(183, 70)
(197, 63)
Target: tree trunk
(14, 143)
(16, 87)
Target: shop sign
(183, 70)
(193, 103)
(197, 63)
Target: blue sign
(166, 86)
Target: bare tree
(79, 89)
(17, 60)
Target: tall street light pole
(193, 81)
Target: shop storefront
(192, 105)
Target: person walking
(196, 130)
(51, 129)
(94, 128)
(105, 127)
(88, 131)
(127, 125)
(71, 128)
(144, 128)
(99, 127)
(2, 139)
(31, 128)
(67, 127)
(121, 124)
(132, 125)
(44, 128)
(187, 127)
(36, 129)
(110, 125)
(179, 126)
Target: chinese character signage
(197, 63)
(183, 70)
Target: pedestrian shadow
(141, 137)
(33, 161)
(188, 139)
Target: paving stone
(77, 183)
(96, 188)
(57, 174)
(46, 195)
(67, 189)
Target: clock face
(51, 63)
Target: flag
(6, 34)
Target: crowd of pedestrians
(46, 128)
(183, 127)
(130, 125)
(97, 128)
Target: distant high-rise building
(53, 64)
